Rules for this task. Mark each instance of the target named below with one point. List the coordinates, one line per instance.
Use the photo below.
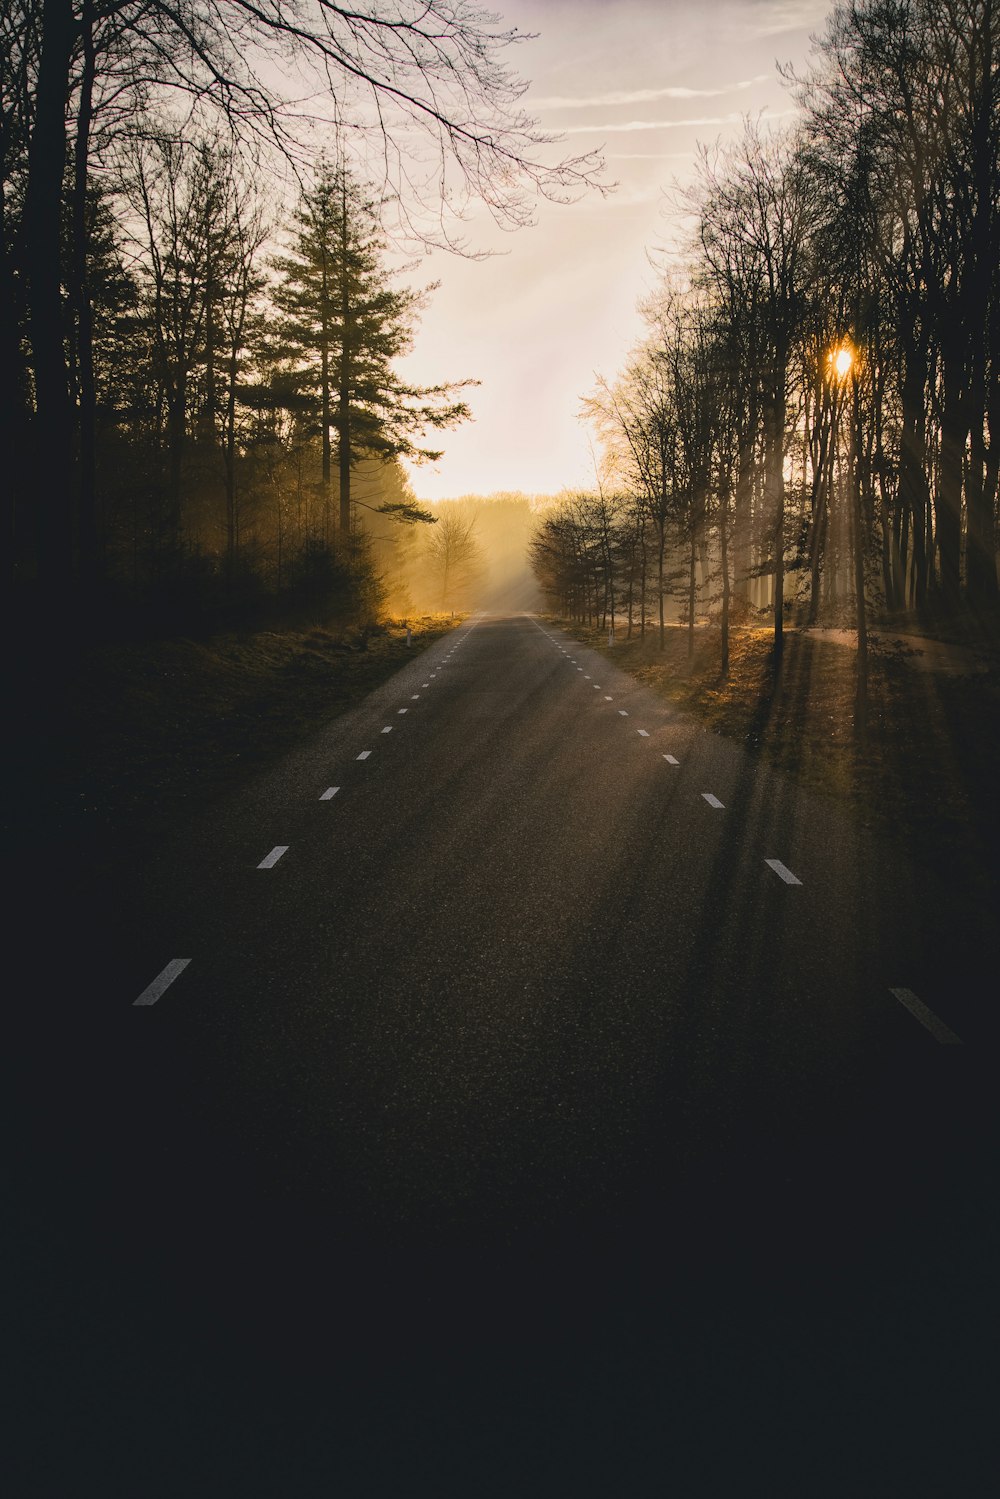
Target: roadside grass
(131, 737)
(927, 775)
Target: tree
(453, 557)
(344, 324)
(425, 76)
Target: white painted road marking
(608, 699)
(329, 792)
(425, 684)
(643, 732)
(162, 982)
(273, 856)
(597, 686)
(670, 760)
(622, 711)
(403, 710)
(415, 695)
(782, 870)
(927, 1017)
(713, 801)
(364, 754)
(387, 729)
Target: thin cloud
(730, 119)
(776, 17)
(644, 95)
(648, 156)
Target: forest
(809, 431)
(204, 292)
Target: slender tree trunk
(692, 559)
(858, 528)
(948, 510)
(89, 521)
(724, 563)
(742, 512)
(661, 547)
(53, 426)
(774, 481)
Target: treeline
(474, 556)
(199, 402)
(812, 424)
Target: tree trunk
(89, 522)
(774, 483)
(661, 546)
(724, 563)
(53, 426)
(858, 528)
(948, 509)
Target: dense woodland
(810, 428)
(203, 294)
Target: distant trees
(453, 558)
(812, 422)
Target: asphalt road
(514, 1125)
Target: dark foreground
(519, 1131)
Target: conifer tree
(342, 326)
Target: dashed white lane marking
(162, 982)
(782, 871)
(643, 732)
(586, 675)
(364, 754)
(713, 801)
(425, 684)
(622, 711)
(927, 1017)
(273, 856)
(670, 760)
(402, 710)
(579, 668)
(387, 729)
(433, 675)
(330, 791)
(608, 699)
(414, 696)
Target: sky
(645, 81)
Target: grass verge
(927, 773)
(131, 737)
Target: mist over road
(517, 1090)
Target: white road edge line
(329, 792)
(783, 871)
(713, 801)
(273, 856)
(927, 1017)
(162, 982)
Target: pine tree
(343, 324)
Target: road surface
(517, 1090)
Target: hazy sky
(645, 80)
